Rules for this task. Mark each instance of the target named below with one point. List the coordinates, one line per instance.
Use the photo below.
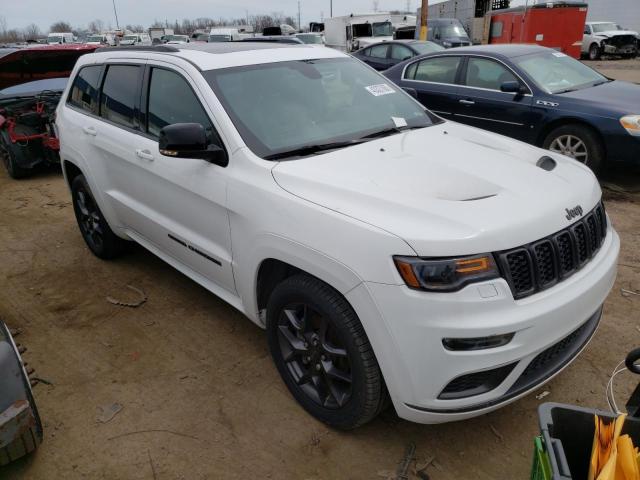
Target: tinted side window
(379, 51)
(440, 70)
(120, 94)
(85, 88)
(171, 100)
(366, 52)
(400, 52)
(483, 73)
(587, 30)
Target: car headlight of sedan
(631, 123)
(446, 44)
(445, 274)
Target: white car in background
(316, 39)
(383, 248)
(176, 39)
(136, 39)
(607, 38)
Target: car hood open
(37, 63)
(447, 189)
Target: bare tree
(60, 26)
(3, 26)
(31, 32)
(96, 26)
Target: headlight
(446, 274)
(631, 123)
(446, 44)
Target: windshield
(284, 106)
(177, 38)
(94, 38)
(310, 39)
(130, 37)
(604, 27)
(452, 31)
(54, 39)
(556, 72)
(426, 47)
(219, 38)
(382, 29)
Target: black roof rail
(152, 48)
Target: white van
(224, 35)
(60, 38)
(140, 39)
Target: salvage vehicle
(20, 425)
(534, 94)
(33, 80)
(382, 56)
(388, 253)
(607, 38)
(60, 38)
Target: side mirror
(411, 91)
(512, 87)
(189, 140)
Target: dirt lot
(620, 69)
(200, 396)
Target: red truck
(557, 25)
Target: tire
(94, 228)
(13, 169)
(594, 52)
(557, 141)
(315, 371)
(28, 442)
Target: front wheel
(93, 226)
(578, 142)
(594, 52)
(323, 354)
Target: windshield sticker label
(399, 122)
(558, 54)
(379, 90)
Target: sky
(20, 13)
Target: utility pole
(299, 25)
(330, 8)
(424, 15)
(116, 13)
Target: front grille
(539, 265)
(475, 383)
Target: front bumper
(620, 50)
(406, 328)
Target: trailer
(158, 33)
(557, 25)
(352, 32)
(471, 13)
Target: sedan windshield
(604, 27)
(310, 38)
(297, 108)
(382, 29)
(452, 31)
(556, 72)
(177, 38)
(426, 47)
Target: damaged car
(607, 38)
(32, 80)
(20, 425)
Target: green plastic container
(541, 469)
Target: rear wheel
(578, 142)
(594, 52)
(94, 227)
(323, 354)
(10, 162)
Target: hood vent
(546, 163)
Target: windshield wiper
(311, 149)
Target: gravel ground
(199, 394)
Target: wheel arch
(70, 171)
(564, 121)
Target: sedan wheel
(571, 147)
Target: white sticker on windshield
(381, 89)
(399, 122)
(559, 54)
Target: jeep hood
(37, 63)
(446, 189)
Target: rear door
(434, 79)
(484, 105)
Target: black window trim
(136, 107)
(144, 103)
(98, 87)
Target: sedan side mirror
(189, 140)
(512, 87)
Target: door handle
(90, 131)
(467, 102)
(144, 154)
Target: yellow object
(613, 456)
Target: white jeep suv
(387, 252)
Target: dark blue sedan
(533, 94)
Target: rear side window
(379, 51)
(438, 70)
(119, 94)
(171, 100)
(400, 52)
(483, 73)
(85, 88)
